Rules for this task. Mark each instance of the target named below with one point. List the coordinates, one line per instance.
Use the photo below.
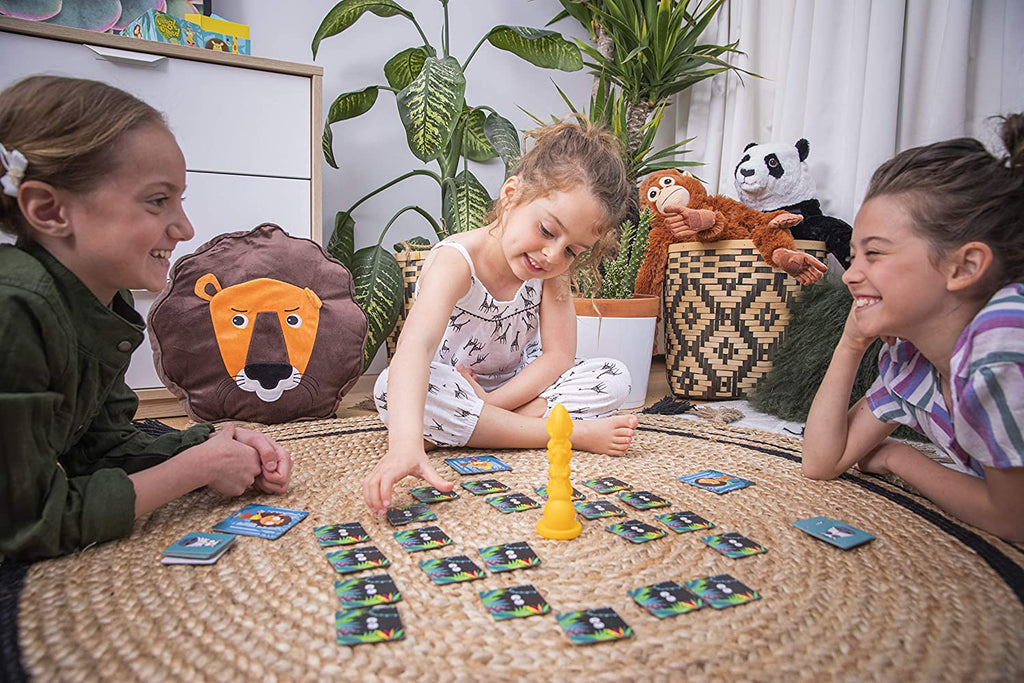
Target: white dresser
(249, 128)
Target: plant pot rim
(638, 306)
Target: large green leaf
(346, 12)
(404, 67)
(475, 146)
(346, 106)
(464, 202)
(327, 145)
(430, 106)
(379, 292)
(504, 138)
(342, 244)
(546, 49)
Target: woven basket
(410, 259)
(726, 313)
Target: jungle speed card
(542, 491)
(197, 548)
(424, 538)
(477, 464)
(482, 487)
(429, 494)
(407, 514)
(265, 521)
(454, 569)
(721, 591)
(713, 480)
(636, 531)
(379, 589)
(340, 534)
(593, 625)
(839, 534)
(642, 500)
(681, 522)
(732, 544)
(607, 484)
(595, 509)
(665, 599)
(514, 602)
(509, 556)
(357, 559)
(374, 625)
(512, 502)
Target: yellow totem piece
(559, 521)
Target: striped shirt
(986, 427)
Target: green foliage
(429, 86)
(620, 273)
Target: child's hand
(470, 377)
(377, 487)
(856, 339)
(233, 465)
(275, 461)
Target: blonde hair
(70, 131)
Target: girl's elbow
(811, 468)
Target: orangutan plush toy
(683, 212)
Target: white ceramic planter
(628, 340)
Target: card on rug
(454, 569)
(722, 590)
(636, 531)
(542, 491)
(424, 538)
(265, 521)
(357, 559)
(514, 602)
(732, 544)
(642, 500)
(407, 514)
(482, 487)
(607, 484)
(713, 480)
(340, 534)
(665, 599)
(477, 464)
(512, 502)
(509, 556)
(681, 522)
(379, 589)
(593, 625)
(839, 534)
(429, 494)
(374, 625)
(197, 547)
(595, 509)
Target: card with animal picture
(542, 491)
(665, 599)
(429, 494)
(477, 464)
(373, 625)
(379, 589)
(593, 625)
(482, 487)
(713, 480)
(407, 514)
(454, 569)
(514, 602)
(509, 556)
(512, 502)
(357, 559)
(732, 544)
(681, 522)
(839, 534)
(636, 531)
(424, 538)
(197, 547)
(265, 521)
(607, 484)
(642, 500)
(722, 590)
(348, 533)
(596, 509)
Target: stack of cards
(265, 521)
(833, 531)
(713, 480)
(197, 548)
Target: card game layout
(731, 544)
(636, 531)
(839, 534)
(429, 494)
(514, 602)
(607, 484)
(542, 491)
(406, 514)
(595, 509)
(713, 480)
(665, 599)
(379, 589)
(197, 548)
(374, 625)
(481, 487)
(509, 556)
(357, 559)
(264, 521)
(681, 522)
(424, 538)
(642, 500)
(593, 625)
(340, 534)
(452, 569)
(477, 464)
(721, 591)
(512, 502)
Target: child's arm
(443, 281)
(995, 503)
(835, 436)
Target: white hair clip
(15, 163)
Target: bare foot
(608, 436)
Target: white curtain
(860, 79)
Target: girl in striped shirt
(938, 273)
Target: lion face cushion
(258, 326)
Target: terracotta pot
(640, 306)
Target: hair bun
(1012, 134)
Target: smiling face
(123, 231)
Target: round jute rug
(929, 599)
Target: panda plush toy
(775, 176)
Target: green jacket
(67, 443)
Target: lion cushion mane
(258, 326)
